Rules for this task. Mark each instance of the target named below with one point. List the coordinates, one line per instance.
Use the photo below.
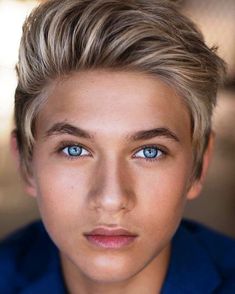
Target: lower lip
(111, 242)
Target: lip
(110, 238)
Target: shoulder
(22, 241)
(18, 243)
(202, 261)
(219, 248)
(22, 257)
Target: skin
(112, 183)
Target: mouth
(110, 238)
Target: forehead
(113, 102)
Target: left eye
(75, 151)
(149, 152)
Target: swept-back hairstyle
(149, 36)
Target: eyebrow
(66, 128)
(156, 132)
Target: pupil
(150, 152)
(74, 151)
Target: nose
(112, 188)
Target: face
(110, 171)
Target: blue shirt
(202, 261)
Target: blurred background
(216, 206)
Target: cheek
(164, 184)
(162, 196)
(60, 192)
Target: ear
(29, 184)
(197, 185)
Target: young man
(113, 134)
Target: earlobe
(195, 189)
(29, 188)
(28, 180)
(197, 185)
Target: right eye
(75, 151)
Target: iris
(74, 150)
(150, 152)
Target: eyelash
(64, 145)
(161, 149)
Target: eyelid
(66, 151)
(163, 150)
(62, 145)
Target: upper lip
(110, 232)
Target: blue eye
(75, 151)
(149, 153)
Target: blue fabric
(202, 261)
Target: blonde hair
(149, 36)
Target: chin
(110, 276)
(110, 269)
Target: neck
(151, 277)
